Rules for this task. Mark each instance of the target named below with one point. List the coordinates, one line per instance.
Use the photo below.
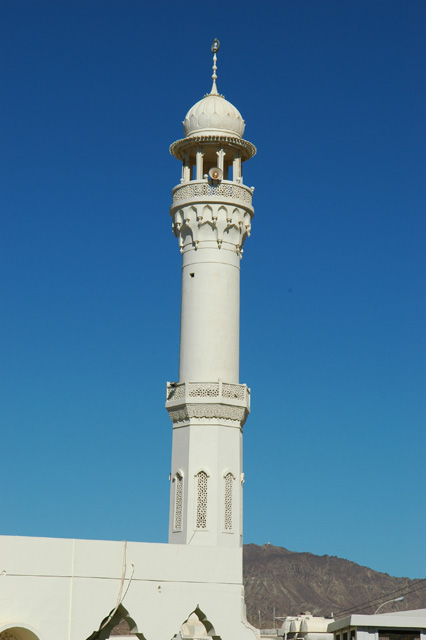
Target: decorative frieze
(208, 401)
(244, 147)
(210, 411)
(196, 224)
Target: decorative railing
(190, 391)
(209, 401)
(202, 189)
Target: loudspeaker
(215, 174)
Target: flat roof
(415, 619)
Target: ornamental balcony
(226, 191)
(208, 400)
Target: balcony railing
(222, 392)
(203, 189)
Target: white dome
(213, 115)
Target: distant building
(302, 627)
(401, 625)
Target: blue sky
(333, 340)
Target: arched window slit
(201, 517)
(229, 479)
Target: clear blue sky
(333, 340)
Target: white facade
(59, 589)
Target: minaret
(211, 213)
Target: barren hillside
(295, 582)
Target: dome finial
(215, 49)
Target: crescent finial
(214, 48)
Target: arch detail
(197, 626)
(112, 619)
(178, 480)
(16, 631)
(228, 500)
(201, 490)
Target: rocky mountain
(295, 582)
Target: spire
(215, 49)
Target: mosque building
(192, 587)
(63, 589)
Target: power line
(376, 601)
(385, 595)
(401, 590)
(406, 593)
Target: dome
(213, 115)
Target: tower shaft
(211, 213)
(209, 340)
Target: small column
(236, 168)
(220, 158)
(186, 169)
(199, 160)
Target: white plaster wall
(366, 634)
(217, 450)
(64, 588)
(180, 463)
(210, 314)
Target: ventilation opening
(201, 517)
(178, 480)
(229, 479)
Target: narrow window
(229, 479)
(201, 518)
(178, 502)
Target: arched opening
(197, 627)
(117, 623)
(121, 630)
(178, 501)
(201, 488)
(17, 633)
(228, 501)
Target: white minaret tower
(211, 213)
